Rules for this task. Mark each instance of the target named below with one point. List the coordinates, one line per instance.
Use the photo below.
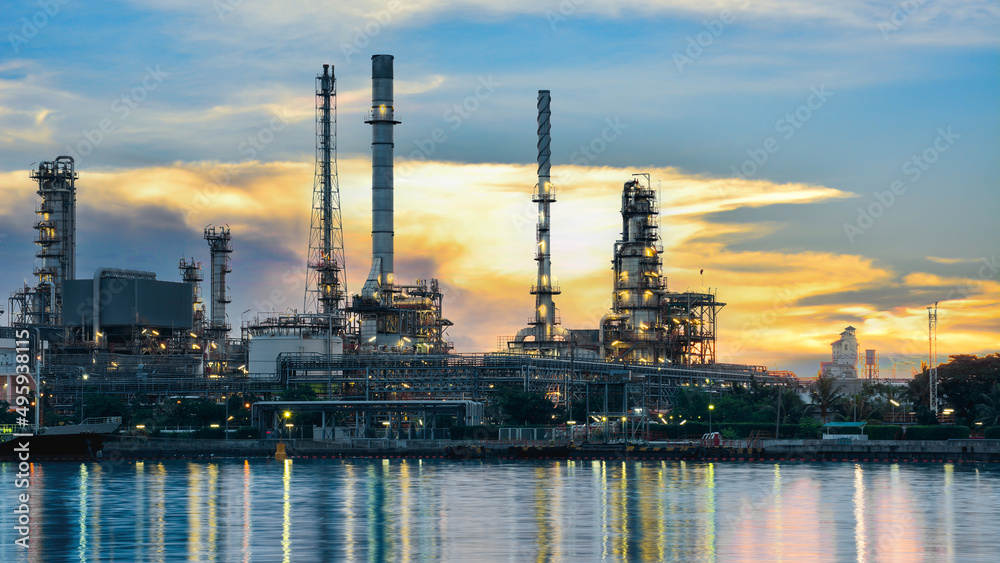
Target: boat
(75, 441)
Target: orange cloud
(473, 227)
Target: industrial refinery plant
(378, 355)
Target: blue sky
(223, 71)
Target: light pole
(894, 405)
(710, 409)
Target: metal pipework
(545, 310)
(382, 119)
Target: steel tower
(56, 239)
(326, 281)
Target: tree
(525, 407)
(6, 415)
(298, 394)
(964, 380)
(100, 405)
(858, 405)
(988, 409)
(825, 393)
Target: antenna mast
(325, 279)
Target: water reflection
(404, 510)
(286, 513)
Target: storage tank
(266, 346)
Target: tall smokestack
(545, 309)
(382, 119)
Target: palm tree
(988, 410)
(859, 405)
(825, 393)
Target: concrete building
(844, 355)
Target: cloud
(473, 227)
(960, 22)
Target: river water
(430, 510)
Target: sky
(826, 163)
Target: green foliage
(100, 405)
(884, 432)
(992, 433)
(190, 412)
(925, 417)
(809, 429)
(729, 434)
(988, 407)
(826, 394)
(964, 382)
(6, 415)
(303, 393)
(755, 403)
(238, 410)
(938, 432)
(520, 407)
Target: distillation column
(220, 245)
(382, 119)
(191, 273)
(56, 239)
(545, 309)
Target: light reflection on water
(412, 510)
